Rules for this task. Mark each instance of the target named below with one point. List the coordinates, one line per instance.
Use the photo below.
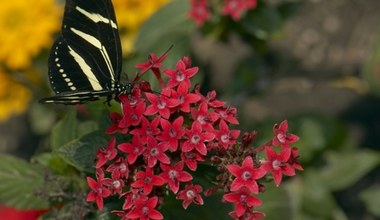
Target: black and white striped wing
(85, 60)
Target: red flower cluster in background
(168, 135)
(201, 10)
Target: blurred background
(313, 62)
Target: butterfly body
(85, 61)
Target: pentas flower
(197, 138)
(145, 209)
(192, 158)
(234, 8)
(277, 164)
(98, 190)
(246, 175)
(146, 180)
(114, 127)
(199, 11)
(174, 174)
(281, 135)
(132, 115)
(248, 215)
(204, 117)
(147, 129)
(106, 154)
(225, 136)
(171, 132)
(119, 167)
(191, 194)
(184, 97)
(134, 149)
(227, 114)
(156, 152)
(243, 199)
(161, 104)
(169, 136)
(182, 74)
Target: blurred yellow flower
(131, 14)
(14, 97)
(26, 27)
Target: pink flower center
(147, 179)
(190, 155)
(201, 119)
(145, 210)
(277, 164)
(243, 198)
(136, 150)
(190, 194)
(173, 174)
(134, 117)
(172, 133)
(132, 100)
(181, 99)
(180, 77)
(123, 167)
(116, 184)
(195, 139)
(225, 138)
(154, 152)
(281, 137)
(246, 175)
(161, 104)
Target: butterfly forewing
(86, 56)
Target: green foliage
(65, 130)
(370, 197)
(19, 183)
(80, 152)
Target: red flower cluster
(201, 9)
(169, 134)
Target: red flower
(191, 158)
(160, 104)
(293, 160)
(131, 99)
(277, 164)
(155, 152)
(147, 180)
(131, 196)
(228, 114)
(246, 175)
(115, 184)
(154, 64)
(134, 149)
(197, 138)
(234, 8)
(281, 135)
(98, 190)
(248, 215)
(119, 167)
(199, 11)
(132, 115)
(115, 119)
(184, 98)
(226, 137)
(10, 213)
(106, 154)
(210, 98)
(171, 133)
(191, 194)
(182, 74)
(204, 116)
(145, 209)
(147, 129)
(174, 174)
(242, 199)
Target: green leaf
(168, 26)
(80, 152)
(345, 168)
(19, 183)
(276, 203)
(371, 199)
(262, 22)
(54, 162)
(65, 130)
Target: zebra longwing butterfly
(85, 61)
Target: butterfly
(85, 61)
